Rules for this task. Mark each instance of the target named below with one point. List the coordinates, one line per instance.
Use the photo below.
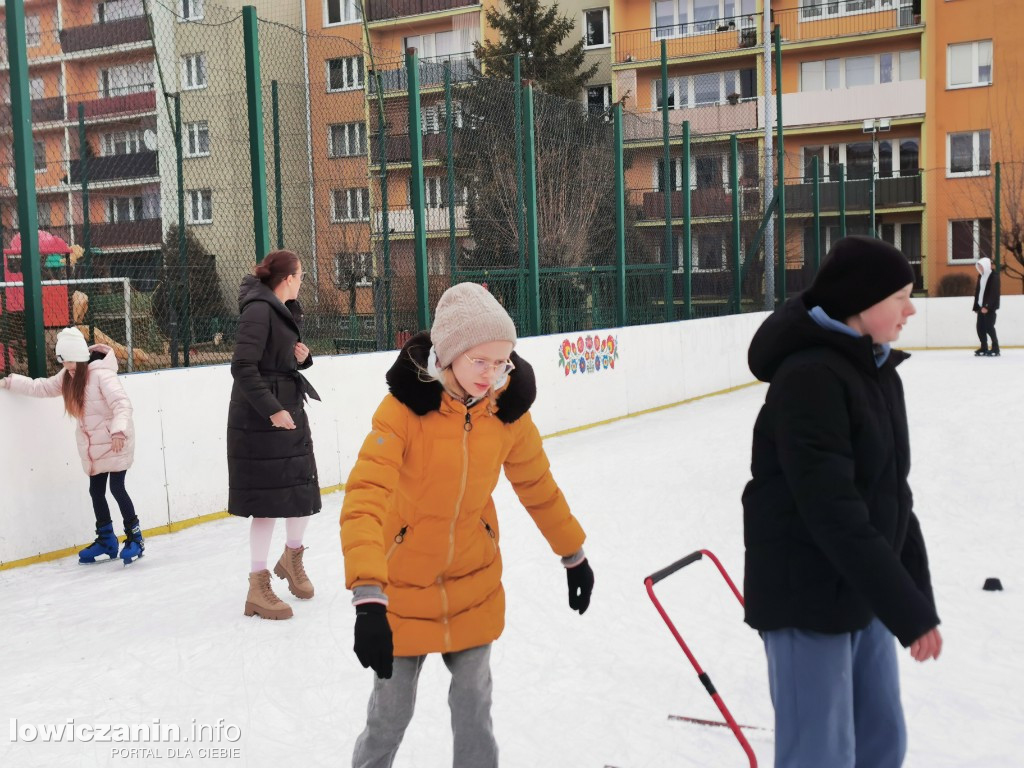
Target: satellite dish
(149, 139)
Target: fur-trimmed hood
(406, 383)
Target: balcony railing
(120, 32)
(432, 71)
(694, 39)
(842, 18)
(890, 192)
(122, 233)
(435, 147)
(704, 202)
(139, 165)
(378, 10)
(706, 119)
(131, 103)
(43, 111)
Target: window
(39, 154)
(114, 10)
(193, 71)
(710, 252)
(819, 75)
(36, 88)
(969, 64)
(860, 70)
(341, 12)
(345, 74)
(190, 10)
(910, 65)
(33, 31)
(454, 44)
(859, 160)
(677, 174)
(127, 79)
(350, 204)
(812, 10)
(833, 74)
(346, 139)
(909, 157)
(704, 89)
(122, 209)
(672, 18)
(351, 269)
(968, 153)
(437, 261)
(44, 214)
(197, 139)
(121, 143)
(595, 28)
(200, 206)
(599, 99)
(969, 240)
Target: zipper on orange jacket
(466, 429)
(399, 538)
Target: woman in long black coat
(271, 467)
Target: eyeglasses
(501, 367)
(300, 275)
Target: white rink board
(180, 470)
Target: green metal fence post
(530, 184)
(517, 99)
(780, 169)
(385, 225)
(257, 158)
(687, 227)
(734, 183)
(83, 170)
(277, 165)
(419, 217)
(997, 244)
(449, 130)
(842, 200)
(816, 197)
(872, 230)
(25, 184)
(186, 283)
(620, 219)
(669, 181)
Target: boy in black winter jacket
(986, 302)
(835, 559)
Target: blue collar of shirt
(819, 316)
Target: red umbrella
(48, 244)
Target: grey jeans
(469, 698)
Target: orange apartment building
(99, 56)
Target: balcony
(712, 118)
(435, 147)
(140, 165)
(705, 202)
(845, 18)
(894, 192)
(703, 38)
(900, 99)
(463, 69)
(43, 111)
(400, 220)
(106, 35)
(130, 104)
(379, 10)
(123, 233)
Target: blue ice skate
(105, 544)
(134, 546)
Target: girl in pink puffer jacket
(93, 395)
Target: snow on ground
(166, 638)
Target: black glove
(373, 639)
(581, 584)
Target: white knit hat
(468, 315)
(71, 346)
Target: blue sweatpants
(836, 698)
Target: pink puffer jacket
(107, 411)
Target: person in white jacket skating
(94, 397)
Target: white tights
(262, 529)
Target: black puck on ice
(993, 585)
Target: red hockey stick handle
(668, 570)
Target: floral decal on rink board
(588, 354)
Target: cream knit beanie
(467, 315)
(71, 346)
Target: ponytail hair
(276, 268)
(73, 390)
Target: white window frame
(192, 133)
(194, 76)
(195, 10)
(975, 240)
(690, 28)
(685, 85)
(607, 29)
(897, 168)
(135, 209)
(348, 64)
(198, 199)
(39, 150)
(344, 147)
(976, 169)
(132, 140)
(33, 31)
(356, 203)
(831, 9)
(897, 70)
(975, 82)
(351, 13)
(364, 262)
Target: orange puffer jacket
(418, 518)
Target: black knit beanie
(857, 273)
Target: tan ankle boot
(290, 567)
(262, 601)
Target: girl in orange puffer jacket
(419, 530)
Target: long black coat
(831, 537)
(271, 471)
(990, 300)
